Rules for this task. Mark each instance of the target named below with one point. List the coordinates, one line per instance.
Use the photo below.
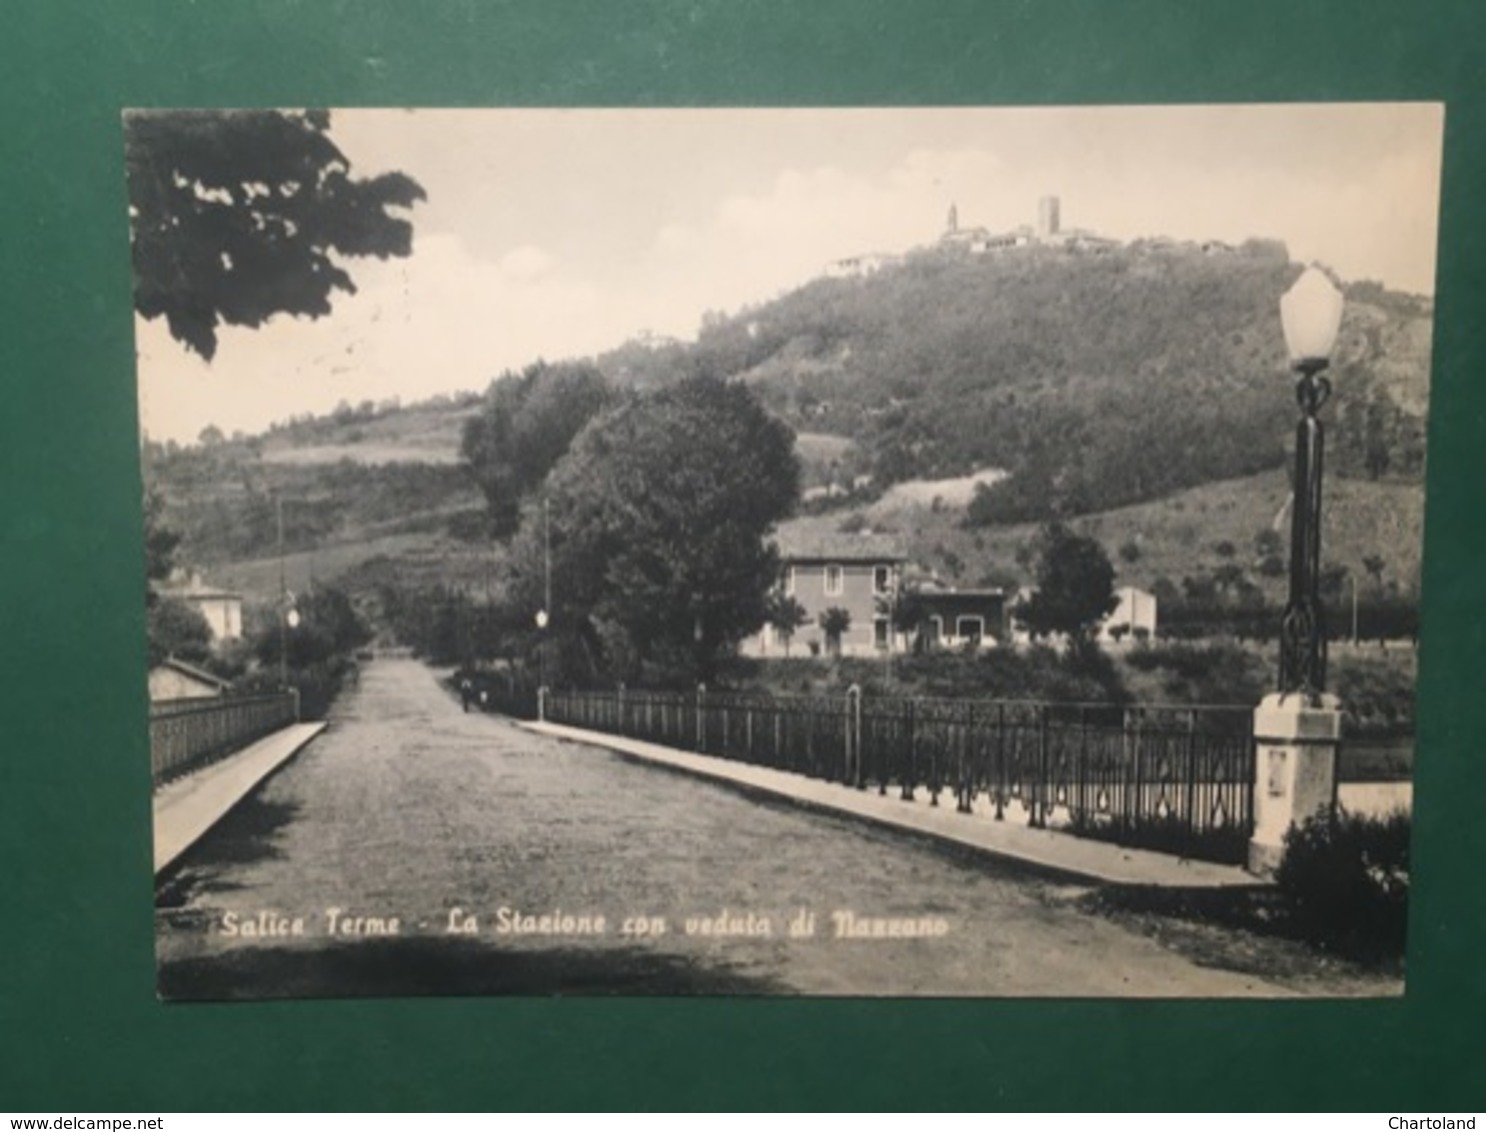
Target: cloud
(440, 321)
(526, 263)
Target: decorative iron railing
(1176, 778)
(188, 734)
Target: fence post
(854, 736)
(294, 695)
(1039, 797)
(1191, 791)
(1001, 784)
(909, 761)
(1081, 785)
(967, 738)
(701, 720)
(542, 704)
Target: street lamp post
(1297, 730)
(288, 613)
(544, 614)
(1311, 314)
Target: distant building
(1133, 619)
(859, 266)
(960, 618)
(174, 679)
(222, 609)
(857, 573)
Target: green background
(78, 1019)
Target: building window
(882, 579)
(879, 632)
(833, 580)
(789, 580)
(970, 628)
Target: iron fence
(188, 734)
(1176, 778)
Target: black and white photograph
(903, 552)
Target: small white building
(1133, 618)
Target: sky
(562, 233)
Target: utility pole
(546, 557)
(1354, 609)
(283, 610)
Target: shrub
(1219, 673)
(1345, 883)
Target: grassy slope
(1177, 535)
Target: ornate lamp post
(1297, 730)
(1311, 312)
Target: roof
(194, 673)
(189, 587)
(834, 546)
(201, 594)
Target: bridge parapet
(190, 733)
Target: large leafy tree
(524, 427)
(658, 521)
(1075, 587)
(240, 215)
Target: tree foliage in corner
(1075, 587)
(659, 521)
(239, 215)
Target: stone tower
(1047, 218)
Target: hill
(1215, 529)
(959, 398)
(1094, 377)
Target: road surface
(406, 849)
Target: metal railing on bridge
(189, 733)
(1175, 778)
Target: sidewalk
(188, 807)
(1061, 854)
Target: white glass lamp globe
(1311, 312)
(292, 617)
(541, 619)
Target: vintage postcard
(874, 552)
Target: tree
(1374, 565)
(177, 629)
(329, 628)
(834, 623)
(160, 542)
(657, 524)
(240, 215)
(1075, 588)
(526, 426)
(786, 615)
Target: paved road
(407, 809)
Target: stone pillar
(1296, 744)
